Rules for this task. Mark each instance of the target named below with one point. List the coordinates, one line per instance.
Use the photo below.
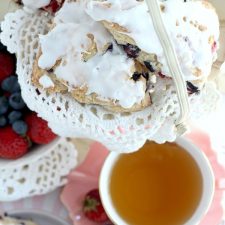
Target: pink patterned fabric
(215, 212)
(83, 179)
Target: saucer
(38, 217)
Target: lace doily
(41, 176)
(124, 132)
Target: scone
(139, 80)
(5, 220)
(192, 25)
(80, 57)
(107, 52)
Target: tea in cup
(168, 184)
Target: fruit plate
(39, 208)
(38, 150)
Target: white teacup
(204, 166)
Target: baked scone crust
(80, 94)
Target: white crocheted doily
(121, 132)
(39, 177)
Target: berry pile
(19, 127)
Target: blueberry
(3, 121)
(16, 101)
(192, 89)
(149, 66)
(14, 116)
(20, 127)
(145, 75)
(11, 84)
(136, 76)
(4, 105)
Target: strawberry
(7, 65)
(38, 130)
(54, 6)
(93, 208)
(12, 145)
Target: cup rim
(196, 153)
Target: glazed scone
(48, 80)
(192, 25)
(79, 56)
(106, 52)
(5, 220)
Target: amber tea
(157, 185)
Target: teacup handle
(174, 67)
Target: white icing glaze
(192, 47)
(107, 74)
(46, 81)
(36, 4)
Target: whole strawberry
(12, 145)
(93, 208)
(38, 130)
(7, 65)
